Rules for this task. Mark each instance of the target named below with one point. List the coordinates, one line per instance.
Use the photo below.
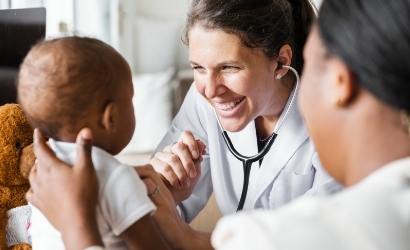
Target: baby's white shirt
(123, 200)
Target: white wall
(91, 19)
(165, 9)
(168, 10)
(158, 9)
(58, 12)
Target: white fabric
(156, 44)
(374, 214)
(122, 200)
(153, 110)
(290, 169)
(94, 248)
(17, 225)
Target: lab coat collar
(292, 133)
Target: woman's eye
(197, 67)
(229, 68)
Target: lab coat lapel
(291, 135)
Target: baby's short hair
(62, 80)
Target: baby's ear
(110, 117)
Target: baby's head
(70, 83)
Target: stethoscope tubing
(247, 162)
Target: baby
(70, 83)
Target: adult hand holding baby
(63, 204)
(73, 214)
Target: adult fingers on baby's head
(189, 139)
(84, 147)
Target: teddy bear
(16, 159)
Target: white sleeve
(190, 117)
(242, 231)
(323, 184)
(125, 199)
(306, 223)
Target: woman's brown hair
(265, 24)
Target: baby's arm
(143, 235)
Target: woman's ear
(110, 117)
(284, 58)
(344, 85)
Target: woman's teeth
(230, 105)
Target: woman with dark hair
(240, 52)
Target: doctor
(236, 49)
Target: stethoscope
(248, 160)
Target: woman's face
(315, 100)
(237, 81)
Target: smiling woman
(224, 67)
(235, 49)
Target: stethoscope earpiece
(280, 65)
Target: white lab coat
(290, 169)
(373, 214)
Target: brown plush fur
(16, 160)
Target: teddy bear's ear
(15, 130)
(15, 134)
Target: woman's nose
(213, 85)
